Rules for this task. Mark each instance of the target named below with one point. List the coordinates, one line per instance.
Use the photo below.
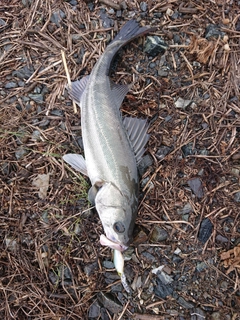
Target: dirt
(184, 262)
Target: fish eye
(119, 227)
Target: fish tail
(131, 30)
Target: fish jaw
(111, 244)
(117, 215)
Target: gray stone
(184, 303)
(181, 103)
(222, 239)
(56, 112)
(108, 264)
(2, 22)
(145, 163)
(196, 186)
(205, 230)
(23, 73)
(94, 310)
(20, 153)
(10, 85)
(149, 257)
(236, 196)
(186, 209)
(162, 152)
(143, 6)
(197, 314)
(110, 302)
(216, 316)
(162, 290)
(89, 268)
(154, 45)
(158, 234)
(213, 30)
(37, 97)
(57, 17)
(36, 135)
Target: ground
(184, 262)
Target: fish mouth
(111, 244)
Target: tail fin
(131, 30)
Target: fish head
(117, 215)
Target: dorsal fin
(137, 133)
(77, 88)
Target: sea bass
(113, 145)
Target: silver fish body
(112, 145)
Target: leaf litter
(51, 263)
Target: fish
(113, 145)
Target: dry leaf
(42, 182)
(231, 259)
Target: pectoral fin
(92, 195)
(137, 133)
(77, 162)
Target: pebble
(201, 266)
(148, 256)
(213, 30)
(181, 103)
(236, 196)
(2, 22)
(152, 65)
(186, 209)
(162, 290)
(143, 6)
(45, 122)
(20, 153)
(176, 259)
(162, 152)
(108, 264)
(94, 310)
(216, 316)
(110, 302)
(10, 85)
(165, 278)
(205, 230)
(196, 186)
(73, 3)
(56, 112)
(119, 13)
(187, 149)
(144, 164)
(36, 135)
(36, 97)
(106, 21)
(222, 239)
(57, 17)
(184, 303)
(23, 73)
(158, 234)
(197, 314)
(154, 45)
(90, 268)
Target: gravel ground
(184, 262)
